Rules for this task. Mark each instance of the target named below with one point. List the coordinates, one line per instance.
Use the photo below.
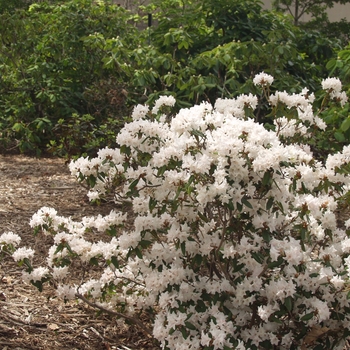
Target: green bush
(48, 73)
(81, 58)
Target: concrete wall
(335, 14)
(339, 12)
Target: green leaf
(198, 133)
(203, 217)
(59, 248)
(183, 44)
(246, 203)
(17, 127)
(198, 258)
(189, 325)
(133, 184)
(184, 332)
(269, 203)
(125, 150)
(267, 178)
(201, 306)
(69, 248)
(274, 318)
(26, 261)
(112, 231)
(258, 257)
(91, 180)
(183, 248)
(94, 261)
(37, 284)
(162, 170)
(288, 303)
(339, 136)
(152, 204)
(145, 243)
(266, 236)
(345, 124)
(308, 316)
(138, 253)
(115, 261)
(276, 263)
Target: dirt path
(33, 320)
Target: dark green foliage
(48, 73)
(12, 5)
(71, 71)
(237, 20)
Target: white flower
(280, 289)
(332, 84)
(10, 238)
(247, 101)
(36, 275)
(263, 79)
(93, 195)
(139, 112)
(322, 308)
(59, 273)
(205, 339)
(22, 253)
(265, 311)
(66, 292)
(337, 281)
(163, 101)
(341, 97)
(347, 223)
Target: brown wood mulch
(33, 320)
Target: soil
(33, 320)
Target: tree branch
(136, 321)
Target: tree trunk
(296, 12)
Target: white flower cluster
(104, 169)
(234, 242)
(23, 253)
(334, 87)
(9, 238)
(263, 79)
(163, 101)
(299, 115)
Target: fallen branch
(118, 314)
(20, 322)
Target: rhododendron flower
(36, 275)
(23, 253)
(263, 79)
(60, 272)
(10, 238)
(332, 84)
(163, 101)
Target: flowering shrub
(232, 241)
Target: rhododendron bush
(229, 237)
